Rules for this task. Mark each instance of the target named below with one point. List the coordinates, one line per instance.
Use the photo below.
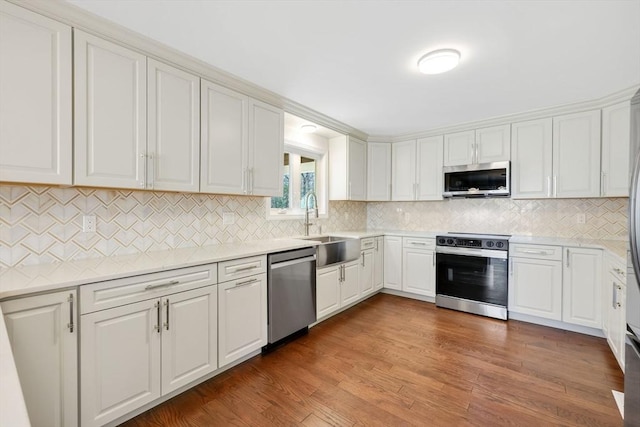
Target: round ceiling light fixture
(439, 61)
(308, 128)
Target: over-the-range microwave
(479, 180)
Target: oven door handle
(484, 253)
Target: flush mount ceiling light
(439, 61)
(308, 128)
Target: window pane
(283, 202)
(307, 179)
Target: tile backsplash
(41, 224)
(604, 218)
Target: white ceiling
(355, 60)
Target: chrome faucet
(307, 222)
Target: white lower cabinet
(418, 266)
(614, 320)
(366, 272)
(43, 335)
(337, 286)
(582, 276)
(393, 262)
(378, 263)
(350, 283)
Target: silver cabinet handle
(143, 160)
(530, 251)
(549, 186)
(568, 263)
(433, 259)
(362, 259)
(157, 307)
(250, 180)
(555, 186)
(251, 267)
(166, 304)
(510, 266)
(614, 295)
(70, 325)
(246, 282)
(602, 186)
(419, 243)
(162, 285)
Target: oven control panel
(500, 243)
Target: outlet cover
(228, 218)
(89, 223)
(581, 218)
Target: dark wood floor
(392, 361)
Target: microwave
(479, 180)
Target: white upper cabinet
(616, 134)
(378, 171)
(403, 170)
(347, 168)
(110, 114)
(576, 155)
(493, 144)
(35, 98)
(266, 145)
(459, 148)
(531, 160)
(173, 128)
(429, 168)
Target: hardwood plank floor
(392, 361)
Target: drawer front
(239, 268)
(368, 243)
(418, 243)
(114, 293)
(535, 251)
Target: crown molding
(79, 18)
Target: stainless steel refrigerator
(632, 343)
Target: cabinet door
(393, 262)
(266, 145)
(418, 272)
(223, 140)
(110, 122)
(366, 272)
(535, 287)
(350, 285)
(493, 144)
(378, 171)
(45, 352)
(378, 264)
(429, 168)
(242, 317)
(576, 154)
(615, 320)
(531, 159)
(582, 286)
(173, 128)
(616, 134)
(327, 291)
(189, 337)
(459, 148)
(120, 353)
(403, 170)
(35, 100)
(357, 165)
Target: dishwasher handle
(277, 265)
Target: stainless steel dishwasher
(291, 285)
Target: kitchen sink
(335, 250)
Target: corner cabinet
(616, 136)
(36, 101)
(44, 339)
(242, 142)
(347, 169)
(582, 285)
(378, 171)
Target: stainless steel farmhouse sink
(335, 250)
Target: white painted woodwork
(189, 336)
(120, 354)
(347, 168)
(582, 276)
(350, 285)
(429, 158)
(265, 151)
(173, 145)
(241, 267)
(418, 267)
(535, 287)
(366, 272)
(493, 144)
(224, 140)
(110, 114)
(35, 98)
(378, 263)
(46, 356)
(459, 148)
(327, 291)
(532, 159)
(393, 262)
(614, 323)
(576, 154)
(357, 169)
(378, 171)
(403, 170)
(616, 135)
(242, 317)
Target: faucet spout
(307, 221)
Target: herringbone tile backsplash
(40, 224)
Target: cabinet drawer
(418, 243)
(114, 293)
(239, 268)
(535, 251)
(368, 243)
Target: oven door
(472, 274)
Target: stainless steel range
(472, 273)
